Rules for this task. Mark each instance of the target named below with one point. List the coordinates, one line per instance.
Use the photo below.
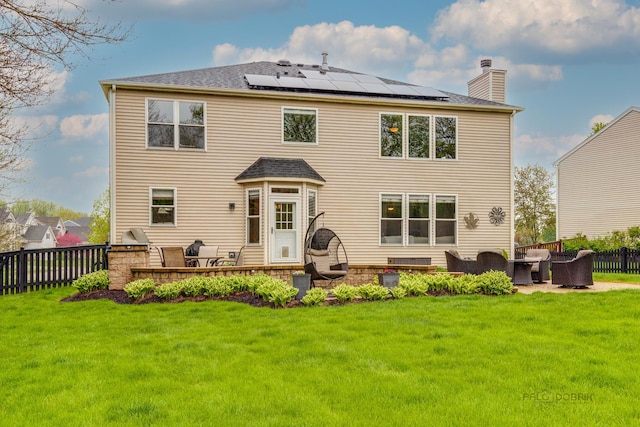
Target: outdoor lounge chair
(458, 264)
(575, 273)
(541, 259)
(325, 257)
(173, 257)
(237, 260)
(493, 260)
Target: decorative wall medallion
(471, 220)
(496, 216)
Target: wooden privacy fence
(34, 269)
(623, 260)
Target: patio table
(194, 261)
(521, 272)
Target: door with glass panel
(285, 230)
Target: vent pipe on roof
(325, 65)
(485, 64)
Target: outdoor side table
(522, 272)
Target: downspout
(112, 163)
(512, 183)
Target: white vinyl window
(312, 200)
(175, 124)
(163, 206)
(446, 220)
(300, 125)
(253, 217)
(419, 219)
(391, 219)
(414, 136)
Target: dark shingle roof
(36, 232)
(269, 167)
(232, 77)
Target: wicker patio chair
(492, 259)
(455, 263)
(541, 259)
(575, 273)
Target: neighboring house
(246, 155)
(39, 237)
(55, 222)
(24, 221)
(82, 231)
(9, 237)
(598, 178)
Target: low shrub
(397, 292)
(169, 290)
(465, 284)
(344, 293)
(281, 295)
(92, 281)
(139, 288)
(315, 296)
(373, 292)
(439, 282)
(194, 286)
(221, 286)
(413, 284)
(495, 283)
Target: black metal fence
(29, 270)
(623, 260)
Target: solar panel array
(342, 82)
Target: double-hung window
(418, 218)
(312, 208)
(175, 124)
(411, 219)
(414, 136)
(253, 217)
(162, 206)
(391, 219)
(300, 125)
(446, 219)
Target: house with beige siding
(597, 180)
(246, 155)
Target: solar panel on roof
(430, 92)
(260, 80)
(348, 86)
(319, 84)
(343, 77)
(403, 90)
(293, 82)
(366, 78)
(378, 88)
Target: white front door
(285, 230)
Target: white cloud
(37, 126)
(600, 118)
(92, 172)
(76, 159)
(541, 27)
(84, 126)
(545, 149)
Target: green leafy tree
(100, 219)
(597, 127)
(534, 204)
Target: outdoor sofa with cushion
(575, 273)
(541, 259)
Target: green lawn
(541, 359)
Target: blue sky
(569, 63)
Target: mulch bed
(244, 297)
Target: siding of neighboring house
(242, 129)
(597, 180)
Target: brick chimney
(490, 85)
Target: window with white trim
(406, 219)
(416, 136)
(419, 219)
(446, 220)
(300, 125)
(391, 219)
(175, 124)
(162, 206)
(253, 217)
(446, 137)
(312, 200)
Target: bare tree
(36, 37)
